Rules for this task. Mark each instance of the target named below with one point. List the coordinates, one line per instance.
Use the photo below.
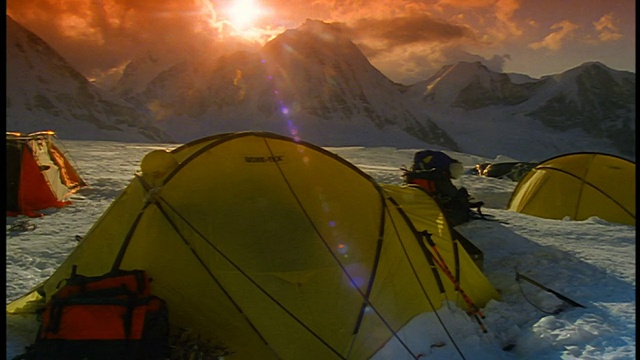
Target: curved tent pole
(125, 244)
(159, 201)
(431, 261)
(193, 251)
(374, 271)
(425, 251)
(365, 296)
(588, 184)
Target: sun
(242, 14)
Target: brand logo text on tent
(263, 159)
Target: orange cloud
(95, 36)
(100, 36)
(467, 3)
(493, 19)
(555, 40)
(606, 28)
(393, 32)
(504, 13)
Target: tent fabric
(579, 186)
(273, 247)
(39, 174)
(425, 215)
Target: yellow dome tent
(275, 248)
(578, 186)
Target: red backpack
(113, 316)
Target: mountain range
(313, 83)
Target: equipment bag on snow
(113, 316)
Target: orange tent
(39, 175)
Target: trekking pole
(474, 308)
(475, 311)
(442, 264)
(557, 294)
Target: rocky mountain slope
(45, 93)
(594, 98)
(587, 108)
(313, 83)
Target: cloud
(102, 34)
(606, 28)
(504, 13)
(466, 4)
(555, 40)
(100, 37)
(493, 17)
(389, 33)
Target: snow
(591, 262)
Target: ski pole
(558, 295)
(443, 265)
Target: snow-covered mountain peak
(314, 82)
(320, 28)
(318, 31)
(315, 41)
(590, 76)
(46, 92)
(448, 82)
(453, 84)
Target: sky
(407, 40)
(591, 262)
